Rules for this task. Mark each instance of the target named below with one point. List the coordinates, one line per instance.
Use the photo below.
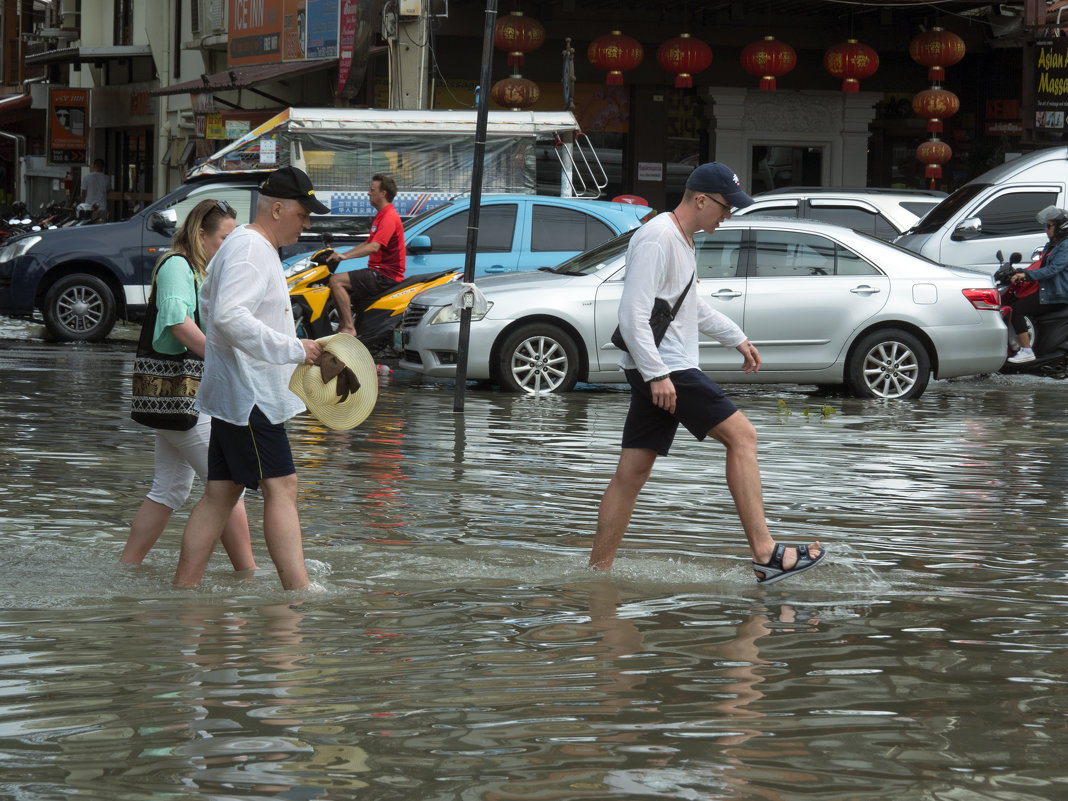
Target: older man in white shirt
(249, 355)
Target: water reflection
(460, 648)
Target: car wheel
(79, 307)
(1031, 331)
(889, 364)
(538, 358)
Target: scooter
(1049, 331)
(376, 319)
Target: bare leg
(237, 540)
(340, 285)
(1025, 339)
(203, 529)
(281, 528)
(617, 504)
(743, 480)
(147, 525)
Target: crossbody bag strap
(678, 303)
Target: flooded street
(458, 649)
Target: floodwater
(457, 648)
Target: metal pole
(477, 168)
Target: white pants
(179, 456)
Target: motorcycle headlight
(451, 314)
(299, 266)
(12, 250)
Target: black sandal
(773, 570)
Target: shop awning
(244, 77)
(14, 103)
(89, 55)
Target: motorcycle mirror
(328, 238)
(998, 256)
(1015, 257)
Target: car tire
(891, 364)
(79, 308)
(538, 357)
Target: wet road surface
(457, 646)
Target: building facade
(160, 84)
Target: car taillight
(984, 298)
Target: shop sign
(1051, 90)
(650, 171)
(214, 128)
(68, 116)
(270, 31)
(322, 39)
(255, 32)
(347, 40)
(1003, 118)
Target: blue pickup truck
(83, 278)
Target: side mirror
(420, 244)
(1015, 258)
(968, 229)
(164, 222)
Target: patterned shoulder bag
(164, 385)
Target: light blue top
(176, 299)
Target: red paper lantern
(684, 56)
(518, 35)
(515, 93)
(937, 49)
(768, 59)
(852, 62)
(615, 52)
(936, 105)
(934, 153)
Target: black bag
(659, 319)
(164, 385)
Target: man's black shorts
(367, 283)
(249, 453)
(700, 405)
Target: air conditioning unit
(208, 17)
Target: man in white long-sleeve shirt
(250, 353)
(667, 386)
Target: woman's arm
(189, 335)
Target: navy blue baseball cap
(293, 183)
(720, 179)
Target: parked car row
(885, 213)
(822, 303)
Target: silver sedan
(823, 304)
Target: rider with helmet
(1051, 275)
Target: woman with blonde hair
(181, 454)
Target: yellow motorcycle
(375, 319)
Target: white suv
(885, 213)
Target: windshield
(593, 260)
(941, 214)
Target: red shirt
(387, 230)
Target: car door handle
(495, 268)
(726, 294)
(864, 289)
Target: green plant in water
(825, 411)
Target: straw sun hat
(342, 389)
